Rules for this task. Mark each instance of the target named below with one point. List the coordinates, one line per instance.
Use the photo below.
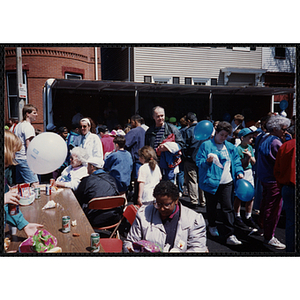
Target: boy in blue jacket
(219, 167)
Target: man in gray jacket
(174, 227)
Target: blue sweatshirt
(119, 165)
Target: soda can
(48, 189)
(13, 209)
(95, 242)
(66, 224)
(52, 181)
(37, 193)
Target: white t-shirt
(24, 130)
(226, 175)
(151, 179)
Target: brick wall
(42, 63)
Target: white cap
(96, 161)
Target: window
(175, 80)
(72, 76)
(201, 81)
(147, 79)
(188, 80)
(214, 81)
(279, 52)
(162, 80)
(12, 97)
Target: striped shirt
(159, 134)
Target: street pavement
(252, 245)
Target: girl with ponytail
(149, 175)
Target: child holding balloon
(246, 154)
(219, 166)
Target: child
(246, 154)
(149, 174)
(219, 166)
(119, 164)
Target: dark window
(188, 80)
(72, 76)
(252, 48)
(12, 97)
(279, 52)
(213, 81)
(175, 80)
(147, 78)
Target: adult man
(168, 223)
(26, 132)
(190, 168)
(135, 140)
(161, 130)
(157, 133)
(106, 139)
(97, 184)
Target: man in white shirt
(26, 132)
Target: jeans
(288, 197)
(223, 195)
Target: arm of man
(134, 235)
(197, 236)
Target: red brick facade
(42, 63)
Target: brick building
(42, 63)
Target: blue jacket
(119, 165)
(209, 173)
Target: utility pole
(19, 81)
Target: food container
(27, 200)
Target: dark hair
(190, 116)
(120, 140)
(223, 125)
(137, 118)
(28, 108)
(102, 128)
(149, 155)
(62, 129)
(166, 188)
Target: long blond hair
(149, 155)
(12, 144)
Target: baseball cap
(244, 132)
(97, 162)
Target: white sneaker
(213, 231)
(273, 242)
(232, 240)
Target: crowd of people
(151, 165)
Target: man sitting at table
(98, 184)
(167, 223)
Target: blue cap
(244, 132)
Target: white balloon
(46, 153)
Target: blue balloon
(244, 190)
(283, 104)
(203, 130)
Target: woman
(172, 226)
(71, 175)
(271, 203)
(219, 166)
(89, 140)
(12, 144)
